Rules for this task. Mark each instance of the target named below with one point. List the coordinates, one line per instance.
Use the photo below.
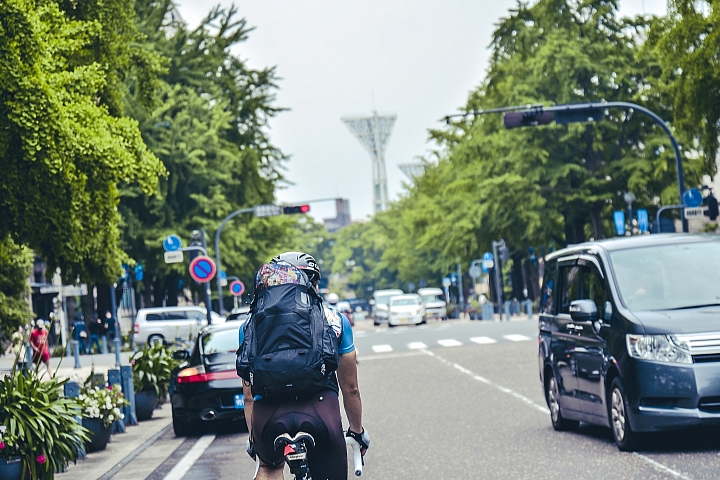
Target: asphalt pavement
(467, 403)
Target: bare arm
(347, 378)
(249, 403)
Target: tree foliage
(64, 150)
(15, 267)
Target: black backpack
(289, 347)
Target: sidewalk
(65, 365)
(121, 450)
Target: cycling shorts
(318, 415)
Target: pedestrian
(96, 329)
(109, 326)
(39, 345)
(80, 333)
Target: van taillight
(137, 329)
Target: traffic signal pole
(534, 115)
(217, 251)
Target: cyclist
(317, 411)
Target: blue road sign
(619, 220)
(643, 220)
(139, 272)
(487, 262)
(172, 243)
(237, 288)
(692, 198)
(223, 275)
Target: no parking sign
(202, 269)
(237, 288)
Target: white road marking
(185, 464)
(450, 342)
(483, 340)
(382, 348)
(416, 345)
(516, 338)
(359, 334)
(383, 356)
(656, 465)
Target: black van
(629, 334)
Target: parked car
(206, 388)
(239, 314)
(629, 334)
(380, 307)
(167, 324)
(406, 309)
(435, 306)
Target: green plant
(39, 424)
(152, 369)
(103, 403)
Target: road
(458, 401)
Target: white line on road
(383, 356)
(657, 465)
(483, 340)
(382, 348)
(416, 345)
(450, 342)
(185, 464)
(516, 338)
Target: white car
(167, 324)
(405, 310)
(380, 307)
(435, 306)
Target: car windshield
(384, 299)
(669, 277)
(404, 302)
(220, 341)
(431, 298)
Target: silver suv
(167, 324)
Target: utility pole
(461, 294)
(498, 273)
(206, 285)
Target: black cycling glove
(362, 438)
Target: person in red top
(39, 344)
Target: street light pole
(217, 251)
(498, 287)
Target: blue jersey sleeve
(241, 335)
(347, 344)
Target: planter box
(11, 468)
(145, 403)
(99, 434)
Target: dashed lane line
(382, 348)
(516, 338)
(449, 342)
(185, 464)
(656, 465)
(483, 340)
(416, 345)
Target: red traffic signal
(289, 210)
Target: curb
(119, 466)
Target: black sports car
(206, 388)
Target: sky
(416, 59)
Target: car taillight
(198, 375)
(137, 329)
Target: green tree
(63, 152)
(15, 267)
(686, 42)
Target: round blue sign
(692, 198)
(202, 269)
(172, 243)
(237, 288)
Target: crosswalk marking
(416, 345)
(516, 338)
(483, 340)
(450, 342)
(382, 348)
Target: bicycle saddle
(286, 439)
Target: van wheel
(625, 439)
(552, 394)
(156, 340)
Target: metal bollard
(76, 352)
(103, 344)
(117, 344)
(507, 311)
(128, 389)
(72, 390)
(114, 378)
(528, 308)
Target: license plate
(239, 401)
(402, 320)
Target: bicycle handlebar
(357, 456)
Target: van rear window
(154, 317)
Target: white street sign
(268, 210)
(223, 282)
(174, 257)
(697, 212)
(488, 264)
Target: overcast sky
(417, 59)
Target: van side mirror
(607, 311)
(583, 311)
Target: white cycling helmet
(333, 298)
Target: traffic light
(712, 204)
(195, 241)
(291, 209)
(528, 118)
